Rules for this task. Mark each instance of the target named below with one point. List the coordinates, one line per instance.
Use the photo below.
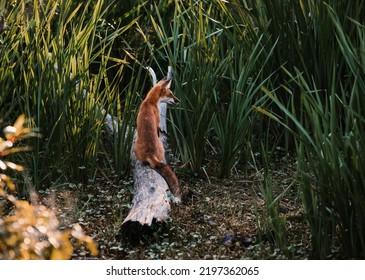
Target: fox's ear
(166, 82)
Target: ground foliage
(30, 230)
(218, 219)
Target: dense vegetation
(253, 76)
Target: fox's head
(165, 92)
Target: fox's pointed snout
(170, 99)
(176, 100)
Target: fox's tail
(165, 171)
(170, 178)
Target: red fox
(148, 147)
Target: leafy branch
(31, 232)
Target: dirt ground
(218, 219)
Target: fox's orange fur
(148, 147)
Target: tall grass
(305, 42)
(337, 157)
(47, 57)
(217, 79)
(328, 130)
(126, 115)
(234, 123)
(190, 45)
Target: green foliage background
(251, 75)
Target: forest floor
(218, 219)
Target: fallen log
(152, 197)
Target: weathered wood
(150, 200)
(152, 196)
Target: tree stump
(152, 197)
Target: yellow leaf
(265, 112)
(9, 130)
(19, 122)
(7, 181)
(4, 145)
(14, 166)
(2, 165)
(58, 254)
(91, 245)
